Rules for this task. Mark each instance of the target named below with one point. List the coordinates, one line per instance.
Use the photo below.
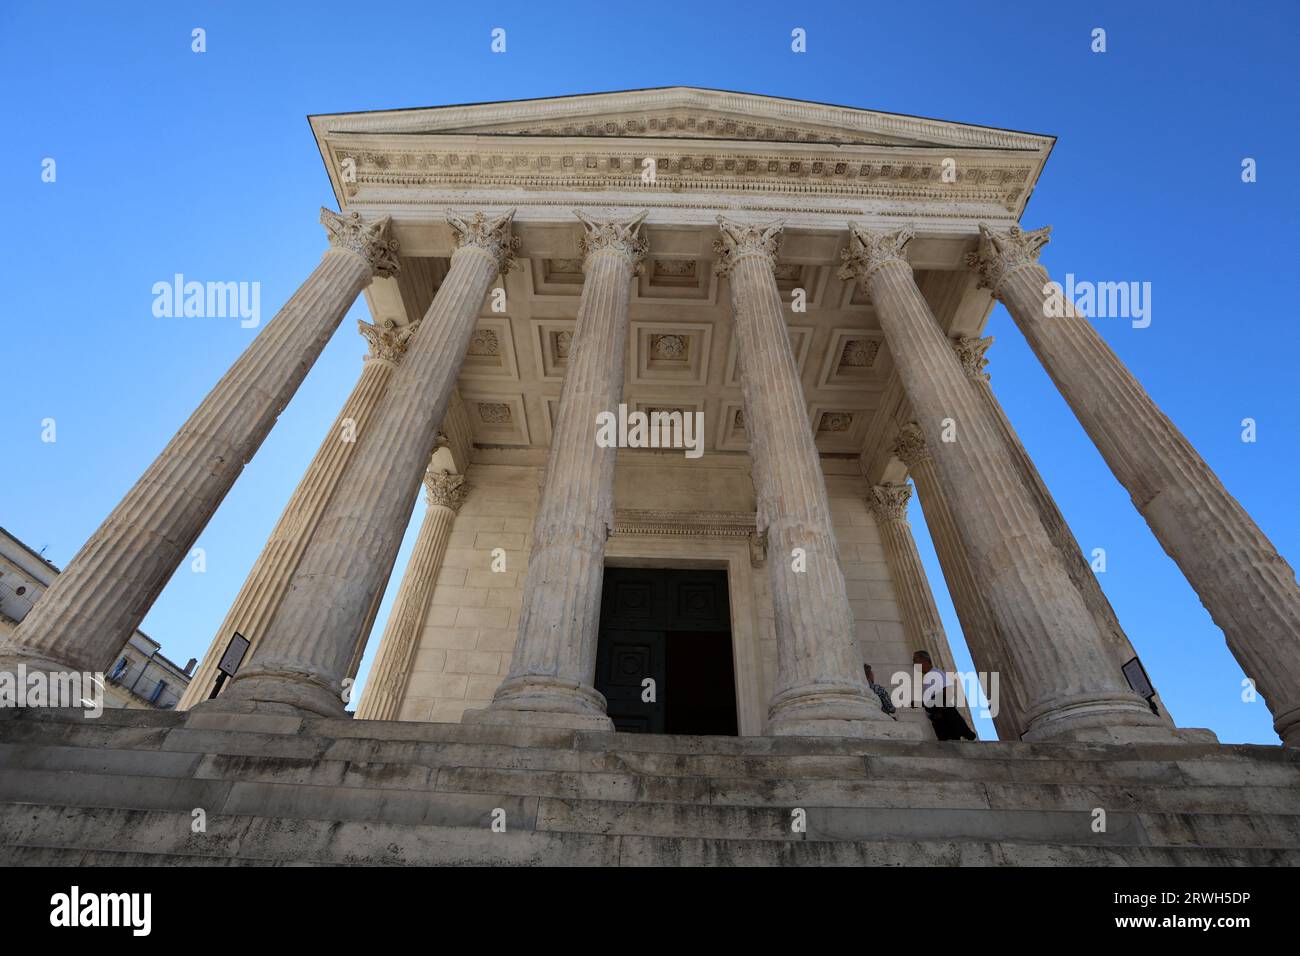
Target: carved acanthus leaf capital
(445, 489)
(614, 235)
(868, 251)
(1000, 255)
(970, 353)
(492, 236)
(369, 239)
(740, 240)
(910, 447)
(387, 339)
(888, 502)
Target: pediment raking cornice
(694, 113)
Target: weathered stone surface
(979, 627)
(553, 666)
(90, 610)
(307, 649)
(444, 495)
(820, 688)
(110, 795)
(1245, 584)
(268, 581)
(970, 352)
(1055, 651)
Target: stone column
(921, 623)
(444, 494)
(554, 663)
(978, 627)
(94, 606)
(267, 583)
(1055, 650)
(1248, 588)
(970, 353)
(310, 642)
(820, 687)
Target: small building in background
(140, 676)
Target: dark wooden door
(674, 627)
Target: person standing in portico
(944, 716)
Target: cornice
(996, 180)
(746, 108)
(714, 524)
(710, 524)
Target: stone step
(938, 765)
(880, 812)
(140, 729)
(1232, 788)
(24, 855)
(1050, 826)
(74, 836)
(278, 790)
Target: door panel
(673, 626)
(623, 660)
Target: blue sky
(170, 161)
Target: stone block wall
(469, 633)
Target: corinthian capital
(740, 240)
(387, 340)
(970, 353)
(868, 251)
(445, 489)
(888, 502)
(613, 235)
(910, 447)
(492, 236)
(1000, 255)
(371, 240)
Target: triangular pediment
(686, 122)
(683, 113)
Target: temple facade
(668, 368)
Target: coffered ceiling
(683, 155)
(681, 351)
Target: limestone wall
(469, 633)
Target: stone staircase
(124, 788)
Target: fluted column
(978, 627)
(1059, 656)
(101, 597)
(921, 622)
(444, 494)
(310, 642)
(268, 581)
(970, 353)
(1248, 588)
(922, 625)
(820, 688)
(554, 664)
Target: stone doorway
(671, 626)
